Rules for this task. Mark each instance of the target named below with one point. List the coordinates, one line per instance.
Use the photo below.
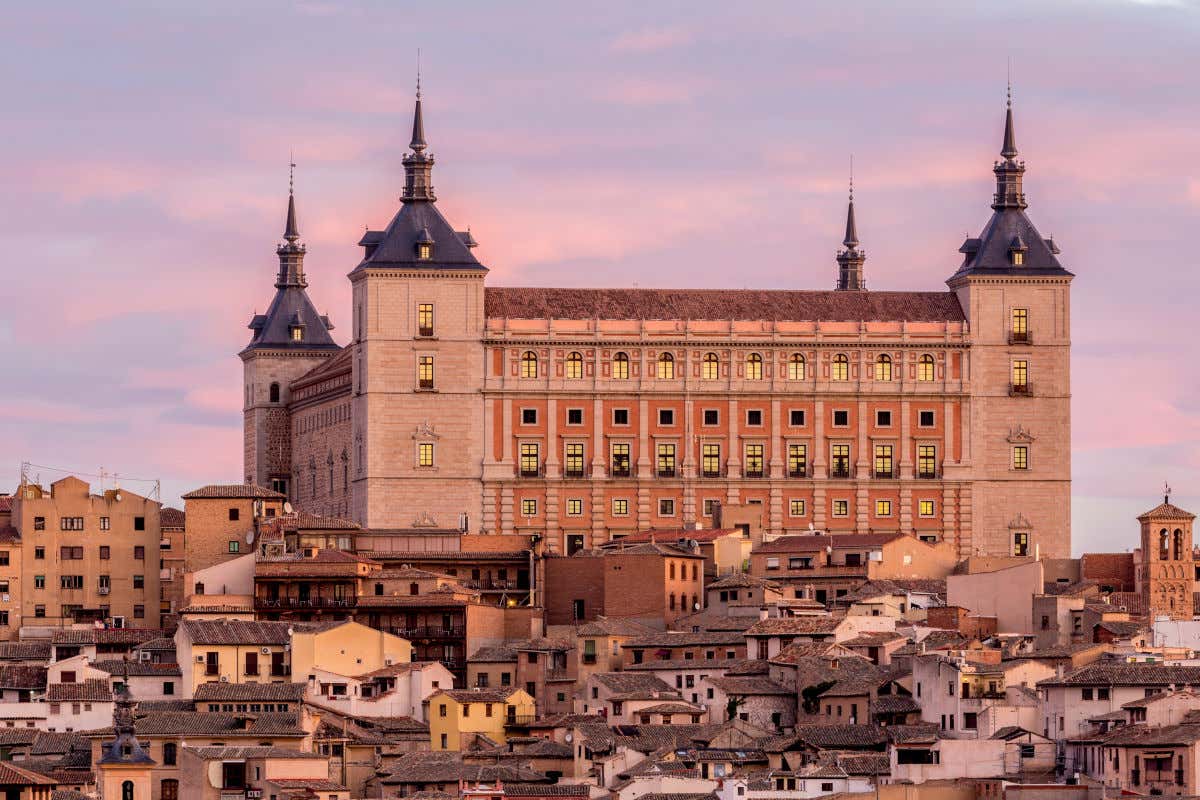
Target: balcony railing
(885, 474)
(621, 471)
(1019, 389)
(428, 632)
(754, 473)
(519, 719)
(712, 473)
(665, 472)
(929, 474)
(303, 603)
(801, 472)
(840, 471)
(589, 658)
(532, 472)
(557, 674)
(581, 472)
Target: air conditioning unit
(224, 679)
(103, 590)
(387, 662)
(266, 651)
(199, 659)
(144, 656)
(5, 597)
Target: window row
(711, 417)
(39, 610)
(75, 552)
(710, 367)
(667, 507)
(77, 523)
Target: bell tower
(1167, 570)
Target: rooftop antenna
(418, 73)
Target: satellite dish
(287, 507)
(117, 497)
(570, 737)
(695, 606)
(250, 537)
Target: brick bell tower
(1166, 574)
(287, 341)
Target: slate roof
(988, 254)
(236, 631)
(289, 306)
(233, 491)
(249, 692)
(720, 304)
(396, 246)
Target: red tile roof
(170, 518)
(90, 691)
(9, 535)
(6, 502)
(233, 491)
(806, 543)
(1167, 511)
(720, 304)
(670, 536)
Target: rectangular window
(797, 460)
(666, 460)
(529, 416)
(139, 581)
(4, 558)
(1020, 459)
(1020, 543)
(105, 523)
(839, 461)
(620, 459)
(574, 507)
(139, 552)
(710, 460)
(666, 416)
(425, 372)
(841, 508)
(754, 417)
(425, 319)
(883, 508)
(68, 553)
(620, 507)
(772, 563)
(139, 523)
(925, 508)
(796, 417)
(1020, 376)
(712, 417)
(235, 546)
(925, 419)
(71, 581)
(39, 523)
(531, 462)
(709, 506)
(883, 461)
(39, 611)
(620, 416)
(39, 553)
(573, 461)
(841, 418)
(666, 507)
(529, 507)
(927, 461)
(1020, 324)
(754, 460)
(883, 419)
(796, 508)
(425, 454)
(71, 523)
(39, 581)
(574, 416)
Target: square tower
(1167, 570)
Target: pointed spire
(850, 261)
(1009, 149)
(851, 240)
(418, 132)
(290, 232)
(418, 165)
(291, 252)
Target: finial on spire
(418, 131)
(851, 240)
(418, 73)
(292, 172)
(1166, 493)
(290, 231)
(1009, 149)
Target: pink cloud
(650, 40)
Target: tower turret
(850, 260)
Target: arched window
(274, 392)
(841, 368)
(796, 367)
(712, 367)
(925, 368)
(666, 366)
(574, 365)
(883, 367)
(529, 364)
(1178, 536)
(620, 366)
(671, 570)
(1163, 545)
(754, 367)
(127, 790)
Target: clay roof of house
(497, 654)
(6, 503)
(618, 547)
(249, 692)
(741, 580)
(894, 704)
(214, 723)
(169, 517)
(236, 631)
(1124, 629)
(1127, 675)
(889, 586)
(22, 676)
(828, 737)
(155, 706)
(476, 695)
(1097, 566)
(720, 664)
(89, 691)
(873, 639)
(308, 784)
(749, 685)
(606, 626)
(689, 639)
(809, 543)
(9, 535)
(48, 743)
(554, 790)
(1146, 736)
(796, 652)
(629, 683)
(12, 775)
(541, 644)
(138, 669)
(1166, 511)
(920, 733)
(794, 626)
(302, 520)
(712, 620)
(162, 643)
(86, 636)
(672, 535)
(252, 751)
(430, 599)
(233, 491)
(720, 304)
(672, 708)
(449, 767)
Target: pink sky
(669, 144)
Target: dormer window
(297, 332)
(424, 251)
(1016, 251)
(1018, 258)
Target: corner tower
(418, 427)
(287, 341)
(1167, 568)
(851, 259)
(1017, 300)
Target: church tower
(850, 260)
(125, 767)
(418, 415)
(1016, 297)
(287, 341)
(1167, 570)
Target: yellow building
(456, 716)
(350, 648)
(232, 651)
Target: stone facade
(1167, 572)
(589, 414)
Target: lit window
(620, 366)
(839, 461)
(425, 319)
(925, 368)
(1020, 375)
(711, 368)
(754, 367)
(796, 367)
(425, 372)
(425, 454)
(1020, 543)
(666, 460)
(841, 368)
(531, 463)
(620, 459)
(573, 461)
(841, 508)
(711, 460)
(529, 364)
(1018, 258)
(1020, 324)
(927, 461)
(883, 368)
(574, 507)
(297, 333)
(574, 365)
(797, 460)
(796, 508)
(754, 460)
(925, 508)
(883, 461)
(709, 506)
(883, 508)
(1020, 456)
(666, 507)
(424, 251)
(528, 507)
(666, 366)
(620, 507)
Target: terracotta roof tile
(249, 692)
(233, 491)
(90, 691)
(171, 518)
(236, 631)
(807, 543)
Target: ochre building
(597, 412)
